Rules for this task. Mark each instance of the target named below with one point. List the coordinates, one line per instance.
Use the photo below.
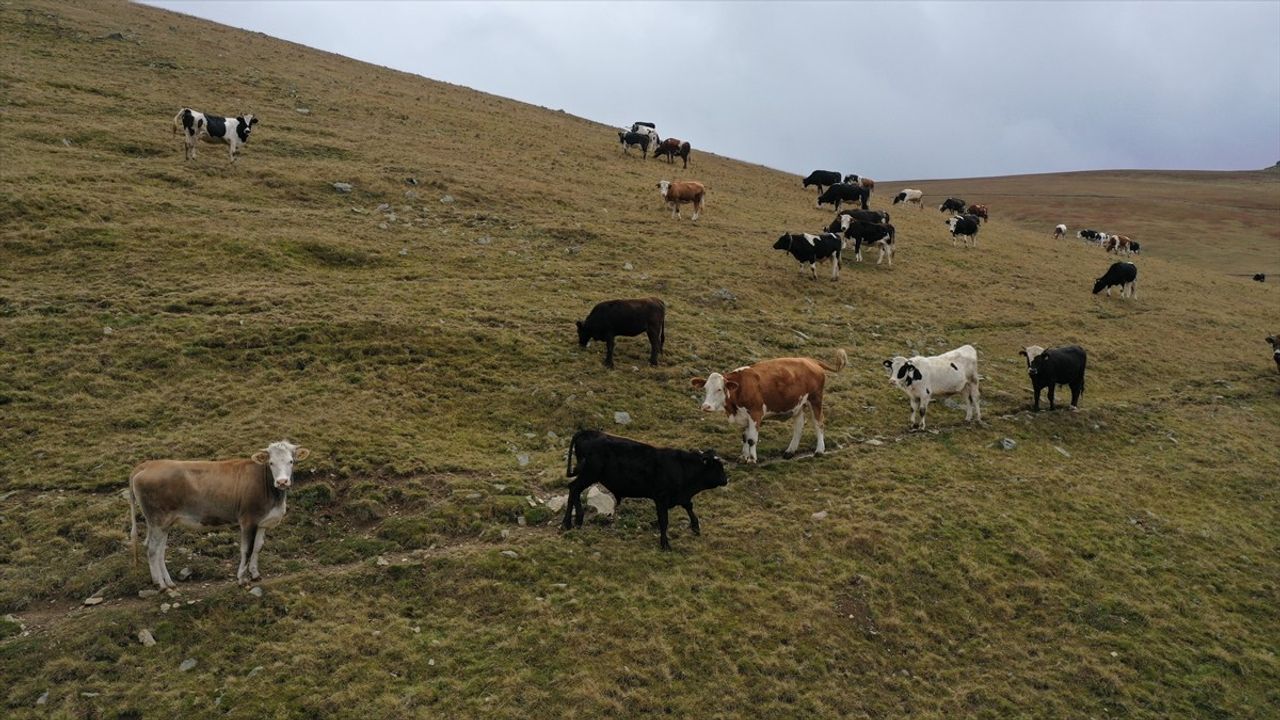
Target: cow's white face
(1030, 352)
(281, 456)
(894, 367)
(714, 398)
(663, 186)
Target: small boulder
(256, 591)
(146, 638)
(522, 459)
(556, 503)
(342, 187)
(820, 515)
(95, 600)
(509, 554)
(1008, 443)
(302, 111)
(184, 573)
(446, 199)
(622, 418)
(187, 664)
(600, 499)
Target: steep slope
(1118, 560)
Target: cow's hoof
(787, 455)
(819, 453)
(242, 582)
(257, 578)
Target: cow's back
(217, 487)
(778, 385)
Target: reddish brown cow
(980, 211)
(673, 148)
(682, 191)
(771, 388)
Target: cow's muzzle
(283, 484)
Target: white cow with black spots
(196, 126)
(925, 378)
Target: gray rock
(446, 199)
(725, 295)
(108, 331)
(383, 226)
(256, 591)
(187, 664)
(600, 499)
(404, 252)
(873, 441)
(254, 671)
(411, 194)
(93, 600)
(184, 573)
(556, 503)
(148, 592)
(382, 562)
(552, 436)
(66, 142)
(44, 698)
(485, 240)
(522, 459)
(384, 207)
(1008, 443)
(302, 111)
(622, 418)
(1062, 452)
(820, 515)
(509, 554)
(164, 607)
(342, 187)
(628, 266)
(146, 638)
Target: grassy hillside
(1119, 561)
(1223, 222)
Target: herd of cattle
(253, 493)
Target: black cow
(1058, 366)
(626, 318)
(1124, 274)
(629, 468)
(822, 178)
(869, 233)
(964, 226)
(1258, 277)
(812, 249)
(843, 192)
(872, 216)
(1274, 342)
(629, 140)
(955, 205)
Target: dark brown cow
(771, 388)
(210, 494)
(673, 148)
(980, 211)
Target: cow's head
(584, 335)
(281, 456)
(1100, 284)
(902, 372)
(717, 391)
(784, 242)
(1030, 352)
(663, 186)
(951, 222)
(710, 471)
(1037, 364)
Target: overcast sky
(888, 90)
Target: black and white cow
(822, 179)
(964, 226)
(812, 249)
(910, 197)
(625, 318)
(1053, 367)
(955, 205)
(872, 216)
(1090, 235)
(629, 140)
(844, 192)
(1135, 247)
(1274, 342)
(1123, 274)
(925, 379)
(631, 469)
(197, 126)
(868, 233)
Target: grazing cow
(872, 216)
(822, 178)
(213, 129)
(866, 233)
(863, 182)
(1260, 277)
(979, 210)
(673, 148)
(1059, 232)
(963, 226)
(1053, 367)
(1090, 235)
(843, 192)
(925, 378)
(812, 249)
(682, 191)
(629, 468)
(771, 388)
(1274, 342)
(1124, 274)
(205, 495)
(625, 318)
(955, 205)
(1118, 244)
(909, 197)
(629, 140)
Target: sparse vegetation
(1121, 561)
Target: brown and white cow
(1117, 244)
(673, 148)
(770, 388)
(682, 191)
(980, 210)
(211, 494)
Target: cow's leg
(750, 439)
(973, 401)
(574, 503)
(248, 535)
(253, 559)
(655, 345)
(697, 208)
(815, 407)
(1076, 389)
(1108, 291)
(164, 567)
(1052, 386)
(835, 266)
(915, 410)
(693, 519)
(797, 428)
(662, 523)
(156, 537)
(1036, 405)
(608, 355)
(924, 410)
(1133, 290)
(813, 269)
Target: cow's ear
(730, 385)
(1023, 353)
(301, 453)
(888, 364)
(698, 382)
(1271, 339)
(260, 457)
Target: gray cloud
(887, 90)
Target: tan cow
(210, 494)
(682, 191)
(771, 388)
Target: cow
(925, 378)
(963, 226)
(822, 178)
(629, 140)
(1135, 248)
(812, 249)
(682, 191)
(1274, 342)
(215, 129)
(630, 468)
(1053, 367)
(673, 148)
(771, 388)
(1059, 232)
(879, 217)
(908, 197)
(843, 192)
(210, 494)
(863, 182)
(1118, 244)
(866, 233)
(955, 205)
(1124, 274)
(625, 318)
(981, 211)
(1260, 277)
(1090, 235)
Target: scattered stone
(404, 252)
(148, 592)
(446, 199)
(802, 335)
(342, 187)
(108, 331)
(628, 266)
(66, 142)
(556, 503)
(551, 435)
(820, 515)
(383, 226)
(302, 111)
(382, 562)
(146, 638)
(485, 240)
(164, 607)
(725, 295)
(601, 500)
(506, 533)
(384, 207)
(432, 662)
(256, 591)
(411, 181)
(411, 194)
(873, 441)
(509, 554)
(93, 600)
(1062, 452)
(184, 573)
(622, 418)
(44, 698)
(187, 664)
(255, 671)
(521, 521)
(391, 217)
(522, 459)
(1008, 443)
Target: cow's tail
(177, 120)
(842, 359)
(891, 235)
(133, 524)
(569, 470)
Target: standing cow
(822, 179)
(843, 192)
(955, 205)
(629, 140)
(625, 318)
(673, 148)
(925, 379)
(910, 197)
(680, 192)
(963, 226)
(215, 129)
(980, 211)
(1274, 342)
(1053, 367)
(1059, 232)
(812, 249)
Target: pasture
(417, 334)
